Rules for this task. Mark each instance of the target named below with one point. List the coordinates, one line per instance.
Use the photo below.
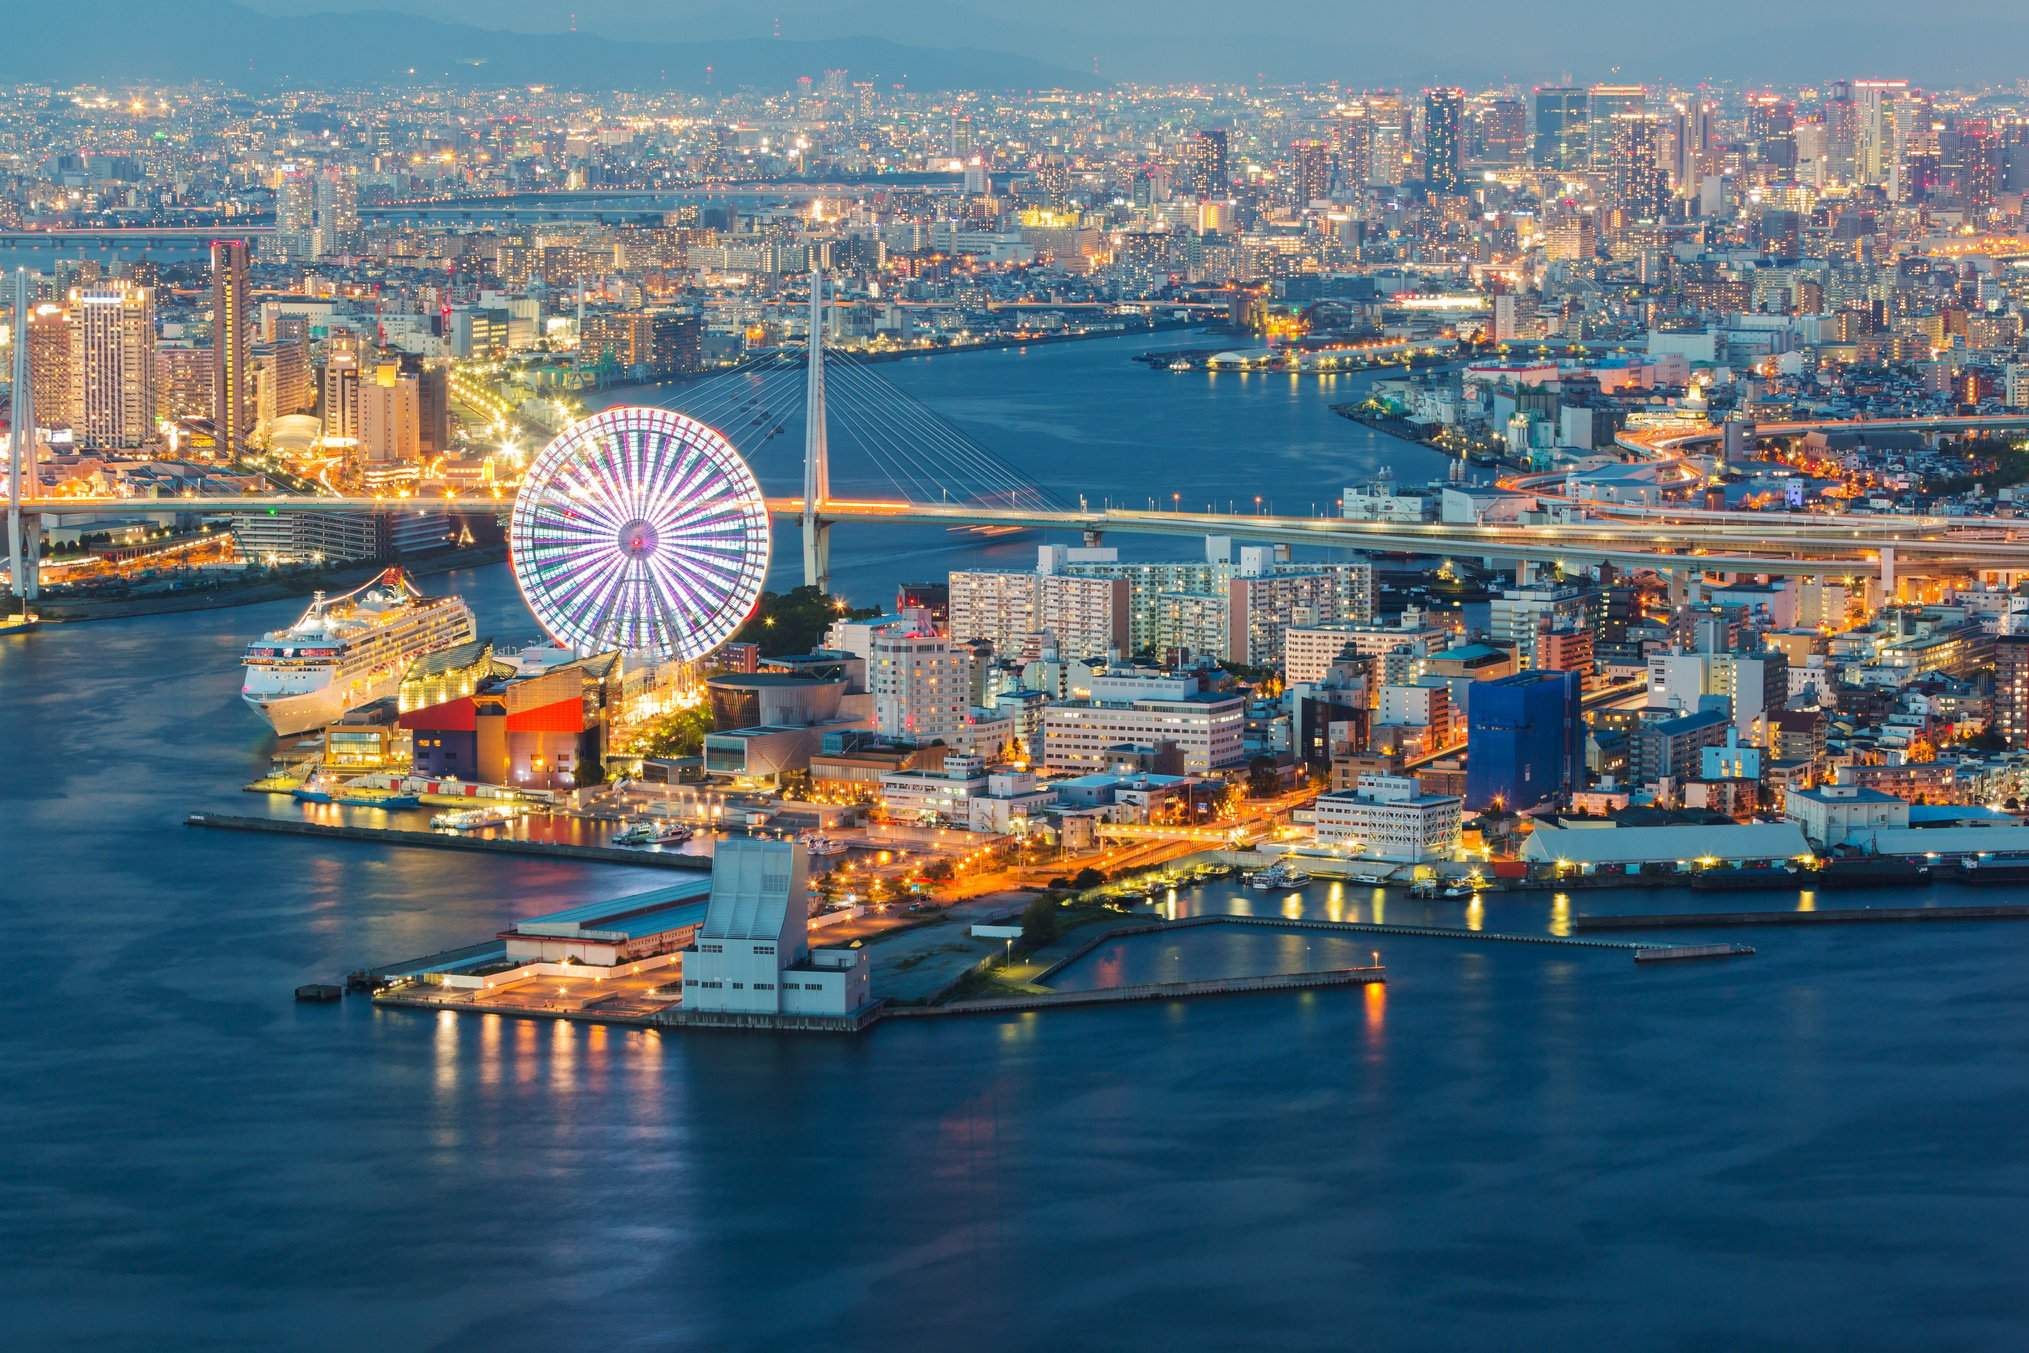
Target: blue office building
(1524, 740)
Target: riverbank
(611, 393)
(271, 589)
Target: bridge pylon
(816, 452)
(24, 527)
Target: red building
(546, 731)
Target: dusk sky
(1144, 39)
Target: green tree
(795, 621)
(1039, 922)
(1088, 877)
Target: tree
(1088, 877)
(1264, 780)
(795, 621)
(1039, 922)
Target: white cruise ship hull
(292, 714)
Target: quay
(1157, 991)
(1835, 916)
(395, 836)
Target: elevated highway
(1773, 545)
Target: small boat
(825, 845)
(652, 834)
(1459, 890)
(473, 819)
(308, 795)
(1295, 878)
(1180, 365)
(376, 798)
(1375, 879)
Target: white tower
(816, 457)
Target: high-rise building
(390, 427)
(295, 214)
(1524, 739)
(231, 345)
(1561, 143)
(1604, 103)
(1210, 175)
(1771, 130)
(1311, 171)
(999, 606)
(1355, 135)
(52, 367)
(1639, 185)
(182, 381)
(1503, 131)
(113, 351)
(1881, 112)
(1443, 124)
(921, 686)
(2009, 712)
(338, 398)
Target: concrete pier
(392, 836)
(1835, 916)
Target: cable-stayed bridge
(911, 465)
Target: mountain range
(225, 41)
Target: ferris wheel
(640, 529)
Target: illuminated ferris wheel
(640, 529)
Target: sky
(1311, 39)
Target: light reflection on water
(1509, 1146)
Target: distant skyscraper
(1604, 103)
(1639, 184)
(1311, 169)
(1210, 176)
(113, 349)
(1503, 131)
(1443, 121)
(1771, 130)
(1561, 144)
(231, 344)
(295, 214)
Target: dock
(1834, 916)
(1157, 991)
(499, 845)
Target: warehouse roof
(1671, 844)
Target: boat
(473, 819)
(1377, 880)
(348, 651)
(1180, 365)
(825, 845)
(375, 798)
(652, 834)
(1295, 878)
(1459, 890)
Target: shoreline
(956, 350)
(251, 594)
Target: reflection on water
(1508, 1146)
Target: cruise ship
(348, 651)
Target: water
(1082, 418)
(1509, 1146)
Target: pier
(500, 845)
(1157, 991)
(1836, 916)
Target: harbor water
(1508, 1146)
